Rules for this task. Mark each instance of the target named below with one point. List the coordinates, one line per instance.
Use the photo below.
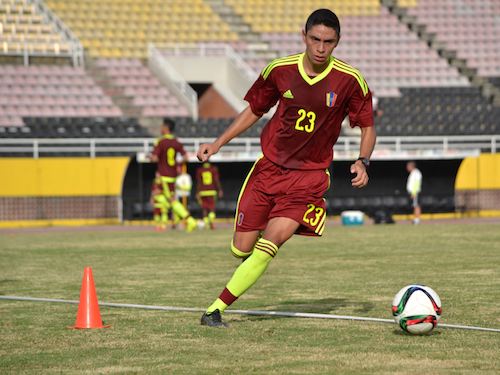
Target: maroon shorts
(272, 191)
(208, 203)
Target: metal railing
(168, 76)
(248, 149)
(207, 50)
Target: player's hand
(361, 177)
(206, 150)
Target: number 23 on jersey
(306, 120)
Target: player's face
(320, 42)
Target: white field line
(288, 314)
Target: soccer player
(413, 187)
(208, 189)
(167, 147)
(283, 193)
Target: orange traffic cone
(88, 315)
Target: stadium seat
(133, 79)
(84, 127)
(438, 111)
(24, 28)
(51, 91)
(471, 29)
(129, 27)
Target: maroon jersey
(307, 122)
(166, 149)
(207, 180)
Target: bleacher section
(23, 28)
(420, 92)
(123, 28)
(80, 127)
(438, 111)
(280, 16)
(50, 91)
(375, 42)
(135, 81)
(470, 28)
(401, 70)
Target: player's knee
(266, 246)
(240, 254)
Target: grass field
(350, 271)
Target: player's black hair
(323, 17)
(169, 123)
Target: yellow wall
(29, 177)
(482, 172)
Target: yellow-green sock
(246, 274)
(179, 209)
(217, 305)
(238, 253)
(211, 217)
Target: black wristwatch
(365, 161)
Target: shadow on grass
(400, 332)
(318, 306)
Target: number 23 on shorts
(315, 217)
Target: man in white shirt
(413, 187)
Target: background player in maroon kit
(283, 193)
(165, 154)
(208, 189)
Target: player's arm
(368, 139)
(361, 114)
(153, 155)
(241, 123)
(185, 158)
(261, 97)
(182, 163)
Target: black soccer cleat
(213, 319)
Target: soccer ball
(417, 309)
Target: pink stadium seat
(138, 82)
(51, 91)
(471, 28)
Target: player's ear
(303, 35)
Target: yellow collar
(319, 77)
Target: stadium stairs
(487, 88)
(236, 22)
(252, 41)
(116, 93)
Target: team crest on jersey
(331, 98)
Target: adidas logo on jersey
(288, 94)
